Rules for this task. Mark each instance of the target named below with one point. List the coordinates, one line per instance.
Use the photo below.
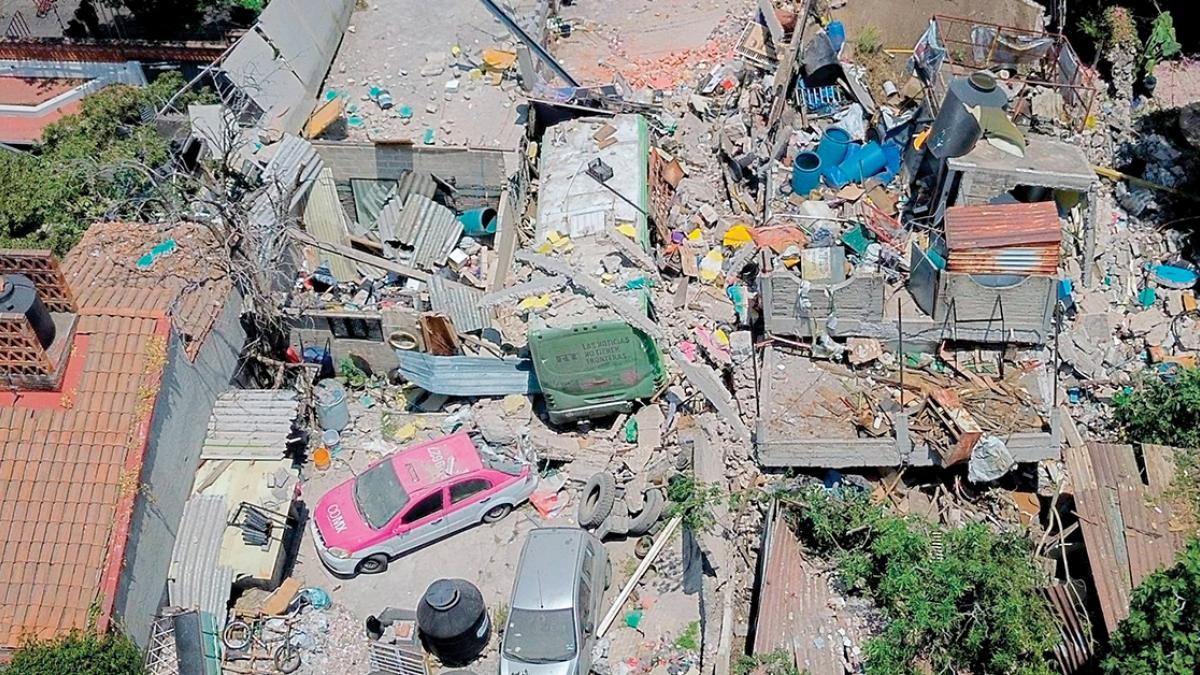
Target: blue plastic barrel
(478, 222)
(837, 35)
(863, 162)
(332, 410)
(806, 172)
(834, 145)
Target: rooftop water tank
(453, 621)
(19, 296)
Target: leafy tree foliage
(89, 166)
(958, 600)
(1161, 412)
(78, 653)
(1162, 634)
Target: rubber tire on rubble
(651, 511)
(375, 564)
(599, 495)
(497, 512)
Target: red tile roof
(71, 460)
(104, 263)
(70, 463)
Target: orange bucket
(321, 458)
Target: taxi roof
(431, 463)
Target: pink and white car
(412, 497)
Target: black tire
(651, 511)
(287, 658)
(599, 495)
(497, 512)
(375, 564)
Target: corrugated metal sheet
(1073, 650)
(325, 219)
(292, 169)
(1126, 524)
(1003, 238)
(1002, 225)
(468, 375)
(370, 196)
(251, 424)
(196, 579)
(463, 304)
(1023, 260)
(422, 233)
(794, 606)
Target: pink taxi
(412, 497)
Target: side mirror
(589, 627)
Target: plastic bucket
(322, 458)
(478, 222)
(806, 172)
(835, 144)
(863, 162)
(332, 410)
(837, 35)
(332, 440)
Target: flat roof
(1047, 162)
(415, 66)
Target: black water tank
(955, 131)
(453, 621)
(20, 297)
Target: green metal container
(595, 369)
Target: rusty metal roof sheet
(1002, 226)
(1041, 260)
(1074, 648)
(463, 304)
(794, 606)
(1127, 527)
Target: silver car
(556, 603)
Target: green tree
(97, 164)
(959, 599)
(78, 653)
(1164, 412)
(1162, 634)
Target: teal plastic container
(834, 145)
(478, 222)
(806, 172)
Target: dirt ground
(486, 555)
(901, 22)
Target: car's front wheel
(497, 512)
(373, 564)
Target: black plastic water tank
(19, 296)
(955, 131)
(453, 621)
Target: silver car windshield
(379, 495)
(540, 635)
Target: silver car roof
(549, 568)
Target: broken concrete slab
(707, 381)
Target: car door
(584, 610)
(470, 497)
(421, 522)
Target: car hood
(339, 522)
(510, 666)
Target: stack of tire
(600, 509)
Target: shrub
(970, 604)
(1165, 412)
(1162, 634)
(78, 653)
